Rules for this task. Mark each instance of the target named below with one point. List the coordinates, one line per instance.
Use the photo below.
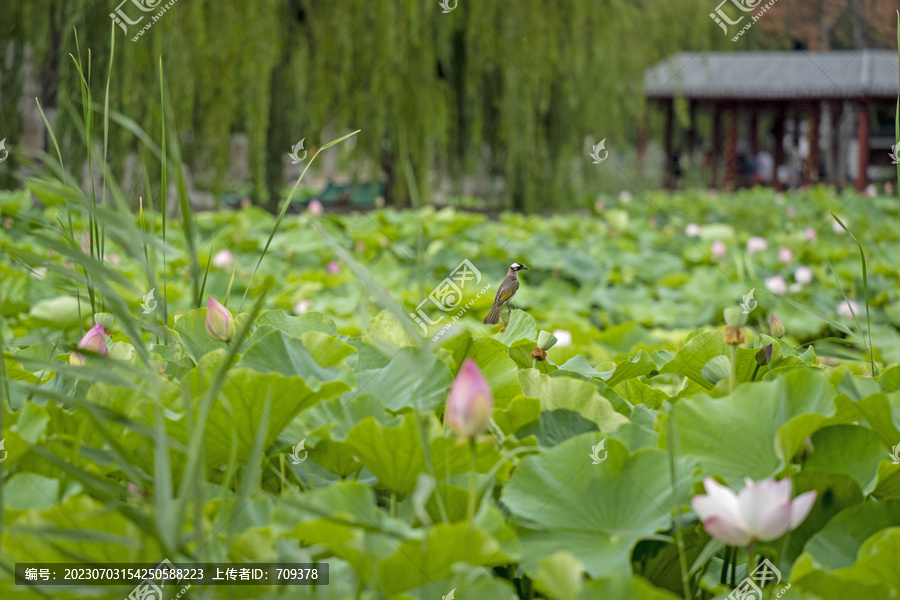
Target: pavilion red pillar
(862, 144)
(716, 145)
(668, 163)
(779, 147)
(731, 134)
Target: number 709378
(298, 573)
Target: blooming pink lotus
(223, 259)
(803, 275)
(761, 511)
(848, 308)
(785, 255)
(718, 249)
(756, 244)
(777, 285)
(315, 207)
(334, 267)
(470, 403)
(93, 341)
(692, 229)
(219, 322)
(809, 234)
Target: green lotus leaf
(416, 563)
(837, 544)
(521, 329)
(625, 587)
(690, 360)
(572, 394)
(408, 380)
(742, 435)
(850, 449)
(490, 356)
(598, 512)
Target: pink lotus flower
(888, 188)
(302, 307)
(803, 275)
(809, 234)
(871, 190)
(470, 403)
(785, 255)
(692, 229)
(223, 259)
(761, 511)
(777, 285)
(563, 337)
(333, 267)
(836, 227)
(756, 244)
(219, 322)
(845, 307)
(719, 249)
(93, 341)
(315, 207)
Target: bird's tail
(494, 316)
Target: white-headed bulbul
(505, 293)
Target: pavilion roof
(775, 75)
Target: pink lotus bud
(762, 511)
(756, 244)
(803, 275)
(470, 403)
(223, 259)
(809, 234)
(315, 207)
(776, 329)
(692, 229)
(777, 285)
(219, 322)
(93, 341)
(718, 249)
(871, 190)
(333, 267)
(785, 255)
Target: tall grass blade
(862, 260)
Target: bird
(505, 293)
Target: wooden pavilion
(850, 94)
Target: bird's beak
(524, 267)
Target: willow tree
(509, 89)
